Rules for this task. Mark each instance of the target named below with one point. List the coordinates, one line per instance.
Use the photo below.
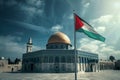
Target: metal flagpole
(75, 49)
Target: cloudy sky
(21, 19)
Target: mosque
(58, 57)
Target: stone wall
(5, 67)
(107, 65)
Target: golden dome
(59, 37)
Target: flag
(83, 26)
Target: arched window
(63, 59)
(66, 46)
(40, 59)
(56, 46)
(62, 46)
(57, 59)
(51, 59)
(68, 59)
(45, 60)
(72, 59)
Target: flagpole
(75, 55)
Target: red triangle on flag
(78, 22)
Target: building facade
(117, 65)
(106, 65)
(6, 67)
(58, 57)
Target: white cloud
(35, 48)
(29, 26)
(107, 49)
(31, 8)
(36, 3)
(28, 9)
(71, 16)
(100, 29)
(98, 47)
(104, 19)
(90, 46)
(56, 28)
(10, 44)
(86, 5)
(108, 26)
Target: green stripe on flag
(92, 35)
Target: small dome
(59, 37)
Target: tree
(9, 61)
(17, 61)
(112, 58)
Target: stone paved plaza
(103, 75)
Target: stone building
(5, 67)
(106, 65)
(117, 65)
(58, 57)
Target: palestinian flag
(83, 26)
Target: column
(81, 64)
(84, 64)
